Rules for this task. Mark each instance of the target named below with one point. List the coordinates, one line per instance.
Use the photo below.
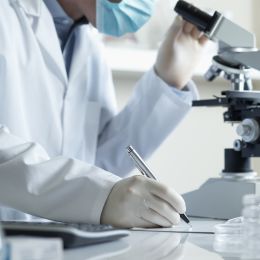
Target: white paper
(204, 226)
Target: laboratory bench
(163, 244)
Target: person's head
(114, 17)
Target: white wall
(256, 19)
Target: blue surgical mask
(127, 16)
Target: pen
(143, 168)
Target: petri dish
(229, 238)
(251, 199)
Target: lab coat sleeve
(152, 113)
(60, 189)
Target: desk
(154, 245)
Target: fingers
(191, 29)
(145, 223)
(195, 33)
(131, 204)
(203, 40)
(175, 29)
(164, 209)
(179, 25)
(170, 196)
(187, 27)
(155, 218)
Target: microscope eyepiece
(192, 14)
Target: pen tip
(129, 148)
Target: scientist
(61, 137)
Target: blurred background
(195, 151)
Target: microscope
(237, 55)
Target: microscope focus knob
(249, 130)
(238, 145)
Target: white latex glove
(142, 202)
(180, 53)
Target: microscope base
(219, 198)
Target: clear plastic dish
(228, 238)
(251, 199)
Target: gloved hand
(142, 202)
(180, 53)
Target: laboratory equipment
(228, 238)
(72, 234)
(251, 227)
(240, 237)
(237, 54)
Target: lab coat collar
(30, 7)
(49, 44)
(47, 37)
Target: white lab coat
(54, 128)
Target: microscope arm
(231, 34)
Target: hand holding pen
(143, 168)
(138, 201)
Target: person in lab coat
(62, 141)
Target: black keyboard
(73, 235)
